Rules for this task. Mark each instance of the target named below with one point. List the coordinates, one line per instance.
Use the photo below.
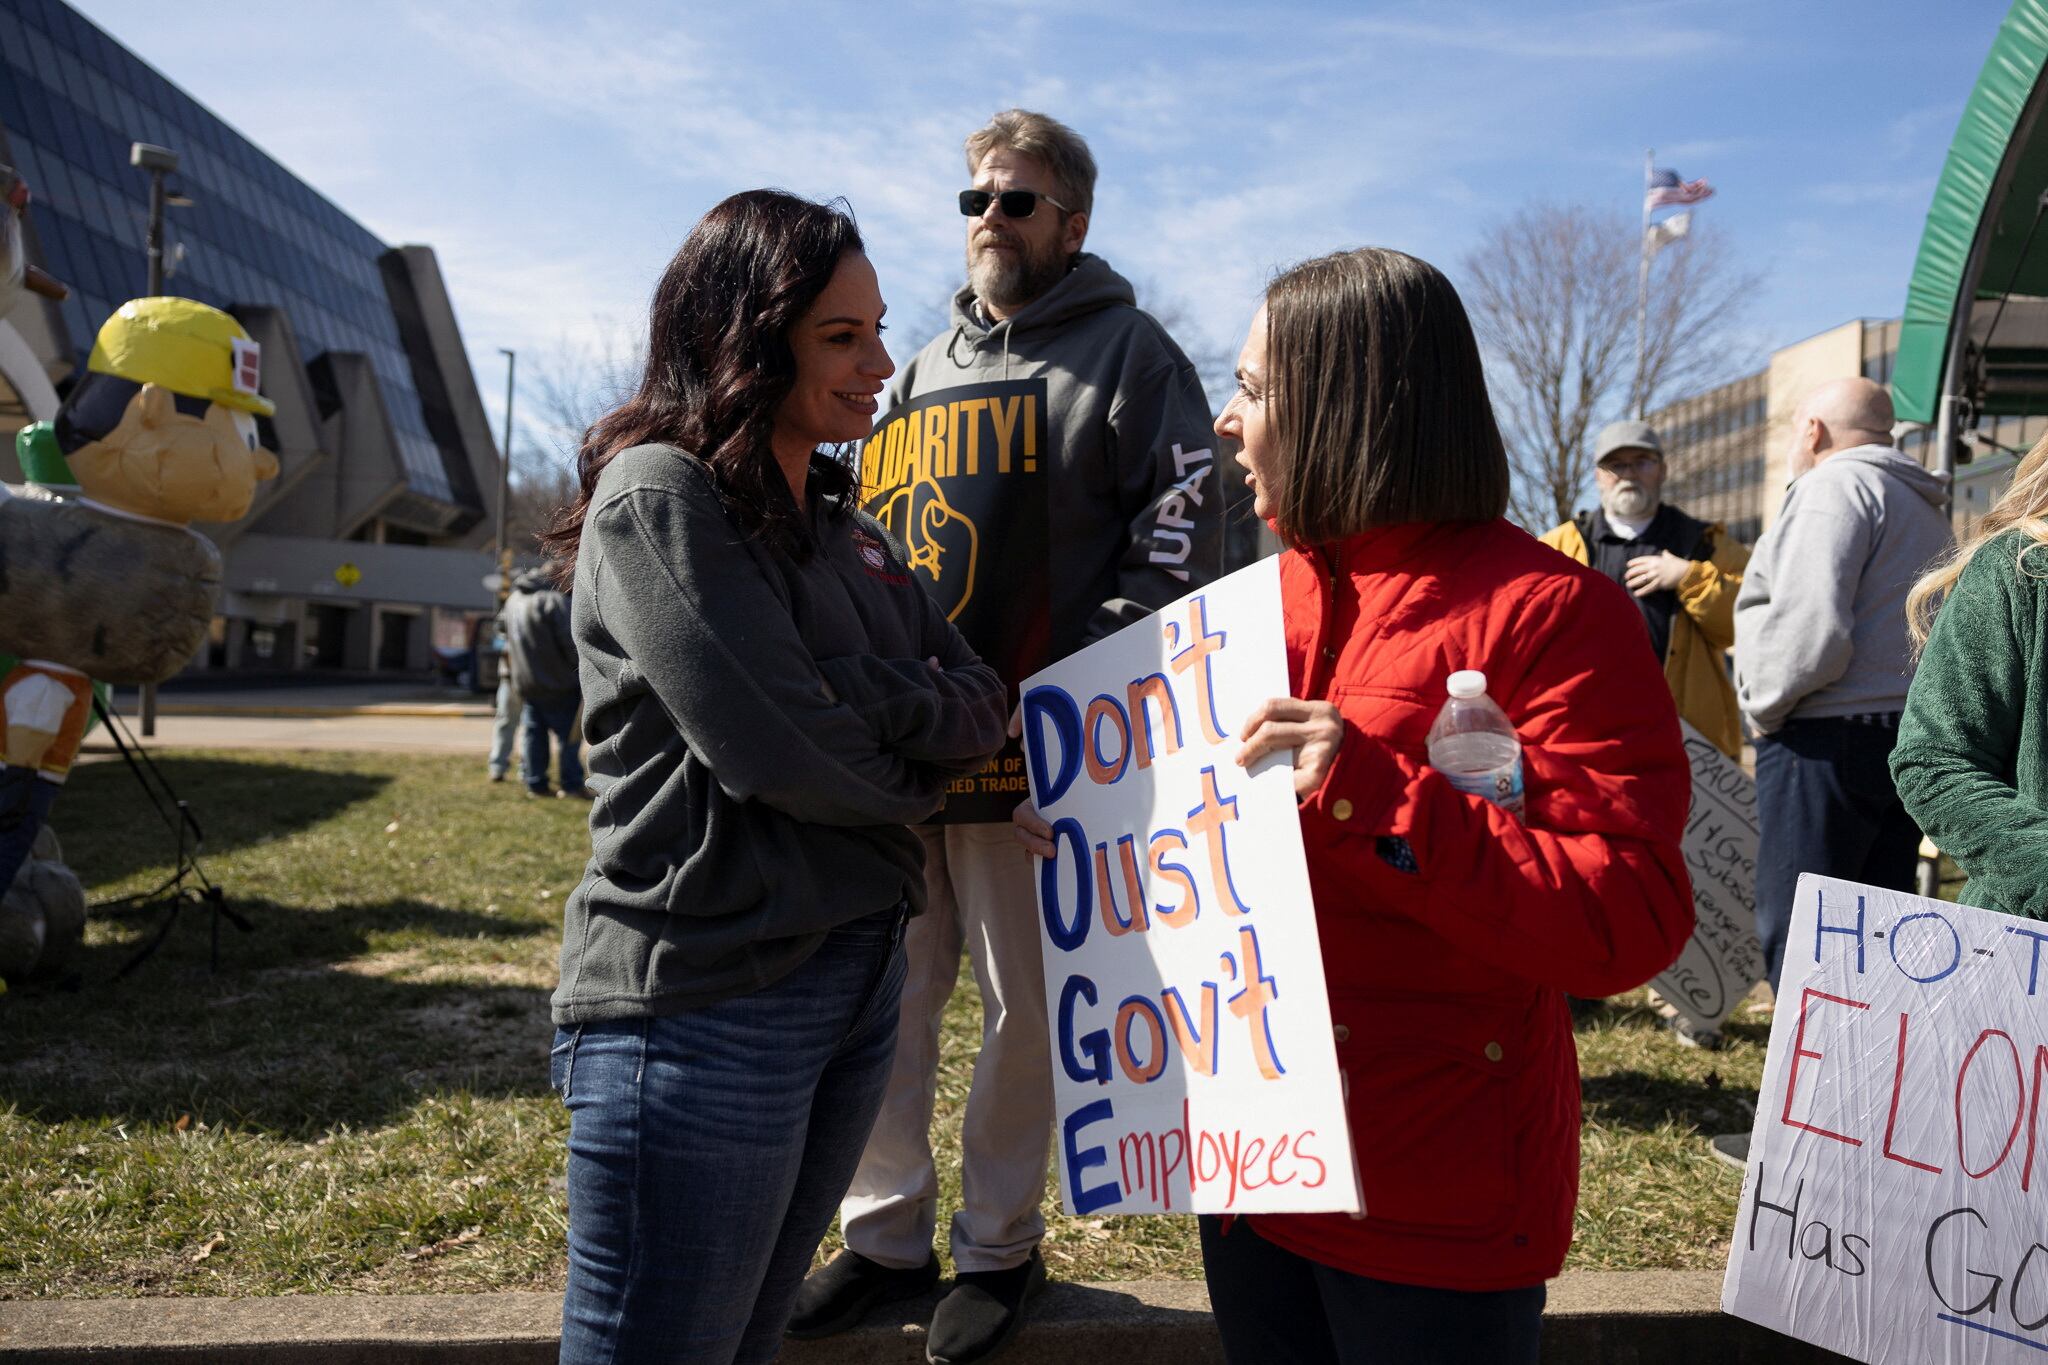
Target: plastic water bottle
(1474, 744)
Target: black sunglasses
(1014, 203)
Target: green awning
(1999, 158)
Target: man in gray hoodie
(1048, 467)
(541, 655)
(1822, 660)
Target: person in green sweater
(1972, 758)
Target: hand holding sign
(1312, 729)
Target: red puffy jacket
(1447, 983)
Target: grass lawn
(358, 1100)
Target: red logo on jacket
(874, 557)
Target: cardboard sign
(1723, 959)
(958, 476)
(1896, 1203)
(1194, 1068)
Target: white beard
(1011, 282)
(1629, 501)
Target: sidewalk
(401, 717)
(310, 698)
(1594, 1318)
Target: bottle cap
(1466, 684)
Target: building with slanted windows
(369, 547)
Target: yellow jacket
(1701, 633)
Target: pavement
(1593, 1318)
(402, 717)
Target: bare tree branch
(1214, 361)
(1552, 291)
(564, 388)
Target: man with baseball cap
(1683, 572)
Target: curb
(1593, 1318)
(430, 710)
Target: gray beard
(1630, 502)
(1012, 282)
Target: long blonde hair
(2022, 507)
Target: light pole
(504, 484)
(159, 162)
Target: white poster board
(1722, 960)
(1194, 1068)
(1895, 1208)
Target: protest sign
(1894, 1208)
(1722, 959)
(959, 478)
(1194, 1067)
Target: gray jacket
(1820, 623)
(538, 644)
(768, 727)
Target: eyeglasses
(1629, 464)
(1013, 203)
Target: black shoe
(982, 1312)
(839, 1293)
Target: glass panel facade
(71, 102)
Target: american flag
(1666, 189)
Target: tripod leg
(176, 903)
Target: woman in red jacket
(1451, 931)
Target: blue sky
(556, 154)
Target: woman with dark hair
(1451, 931)
(770, 700)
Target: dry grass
(358, 1102)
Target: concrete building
(369, 548)
(1714, 455)
(1727, 447)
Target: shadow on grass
(1637, 1099)
(1084, 1315)
(345, 1015)
(110, 831)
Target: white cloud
(1620, 34)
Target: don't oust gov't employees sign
(1194, 1067)
(1895, 1208)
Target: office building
(370, 546)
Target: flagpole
(1643, 282)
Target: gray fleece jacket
(768, 727)
(1820, 623)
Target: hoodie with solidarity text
(1132, 513)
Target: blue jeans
(537, 721)
(505, 724)
(25, 802)
(708, 1152)
(1276, 1308)
(1825, 803)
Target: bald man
(1822, 661)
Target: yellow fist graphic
(940, 543)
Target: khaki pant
(980, 885)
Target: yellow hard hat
(186, 347)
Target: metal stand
(174, 890)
